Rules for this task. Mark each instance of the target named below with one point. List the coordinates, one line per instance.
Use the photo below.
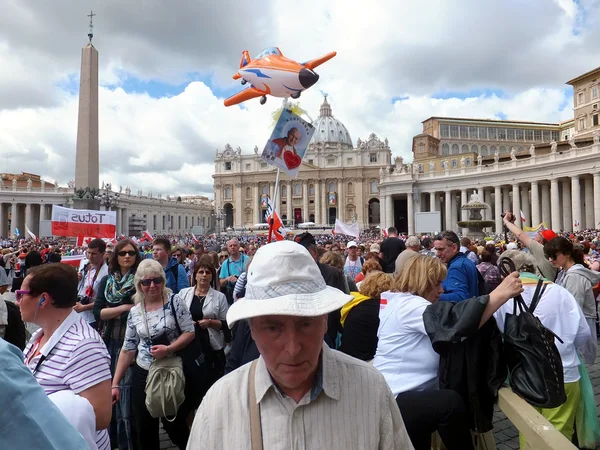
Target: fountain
(475, 224)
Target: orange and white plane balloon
(271, 73)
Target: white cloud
(409, 49)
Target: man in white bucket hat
(299, 393)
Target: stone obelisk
(87, 159)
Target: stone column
(506, 205)
(382, 216)
(517, 204)
(487, 198)
(432, 201)
(576, 199)
(454, 208)
(589, 203)
(119, 220)
(28, 220)
(448, 210)
(481, 194)
(555, 204)
(290, 202)
(545, 214)
(256, 204)
(535, 204)
(463, 213)
(125, 229)
(567, 213)
(340, 197)
(238, 220)
(596, 200)
(13, 219)
(525, 204)
(305, 201)
(389, 213)
(410, 213)
(498, 208)
(318, 202)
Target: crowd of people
(381, 340)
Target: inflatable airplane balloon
(271, 73)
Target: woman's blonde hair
(333, 259)
(375, 283)
(147, 269)
(419, 275)
(370, 265)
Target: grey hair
(524, 261)
(413, 241)
(146, 269)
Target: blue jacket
(461, 282)
(179, 283)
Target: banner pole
(272, 219)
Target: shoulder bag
(534, 363)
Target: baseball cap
(351, 244)
(305, 239)
(374, 248)
(548, 235)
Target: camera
(83, 299)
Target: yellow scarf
(358, 298)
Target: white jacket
(215, 307)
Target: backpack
(165, 383)
(15, 330)
(165, 388)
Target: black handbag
(534, 363)
(195, 367)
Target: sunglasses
(128, 252)
(19, 295)
(157, 281)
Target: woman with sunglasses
(112, 305)
(152, 333)
(65, 353)
(576, 278)
(208, 307)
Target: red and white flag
(30, 233)
(522, 217)
(384, 231)
(278, 230)
(194, 238)
(83, 240)
(576, 224)
(83, 222)
(74, 261)
(147, 236)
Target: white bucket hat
(284, 279)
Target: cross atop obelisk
(87, 159)
(91, 30)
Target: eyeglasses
(128, 252)
(157, 281)
(19, 295)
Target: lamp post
(107, 198)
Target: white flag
(30, 233)
(348, 230)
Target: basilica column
(317, 201)
(13, 219)
(517, 204)
(382, 212)
(290, 202)
(410, 213)
(448, 210)
(555, 204)
(567, 212)
(432, 201)
(325, 202)
(498, 208)
(28, 220)
(125, 229)
(305, 215)
(535, 204)
(487, 199)
(576, 200)
(239, 206)
(525, 203)
(463, 213)
(596, 200)
(506, 205)
(2, 221)
(589, 203)
(545, 213)
(454, 208)
(341, 201)
(256, 204)
(389, 211)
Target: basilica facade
(336, 180)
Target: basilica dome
(328, 129)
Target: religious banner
(332, 196)
(83, 222)
(264, 201)
(288, 142)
